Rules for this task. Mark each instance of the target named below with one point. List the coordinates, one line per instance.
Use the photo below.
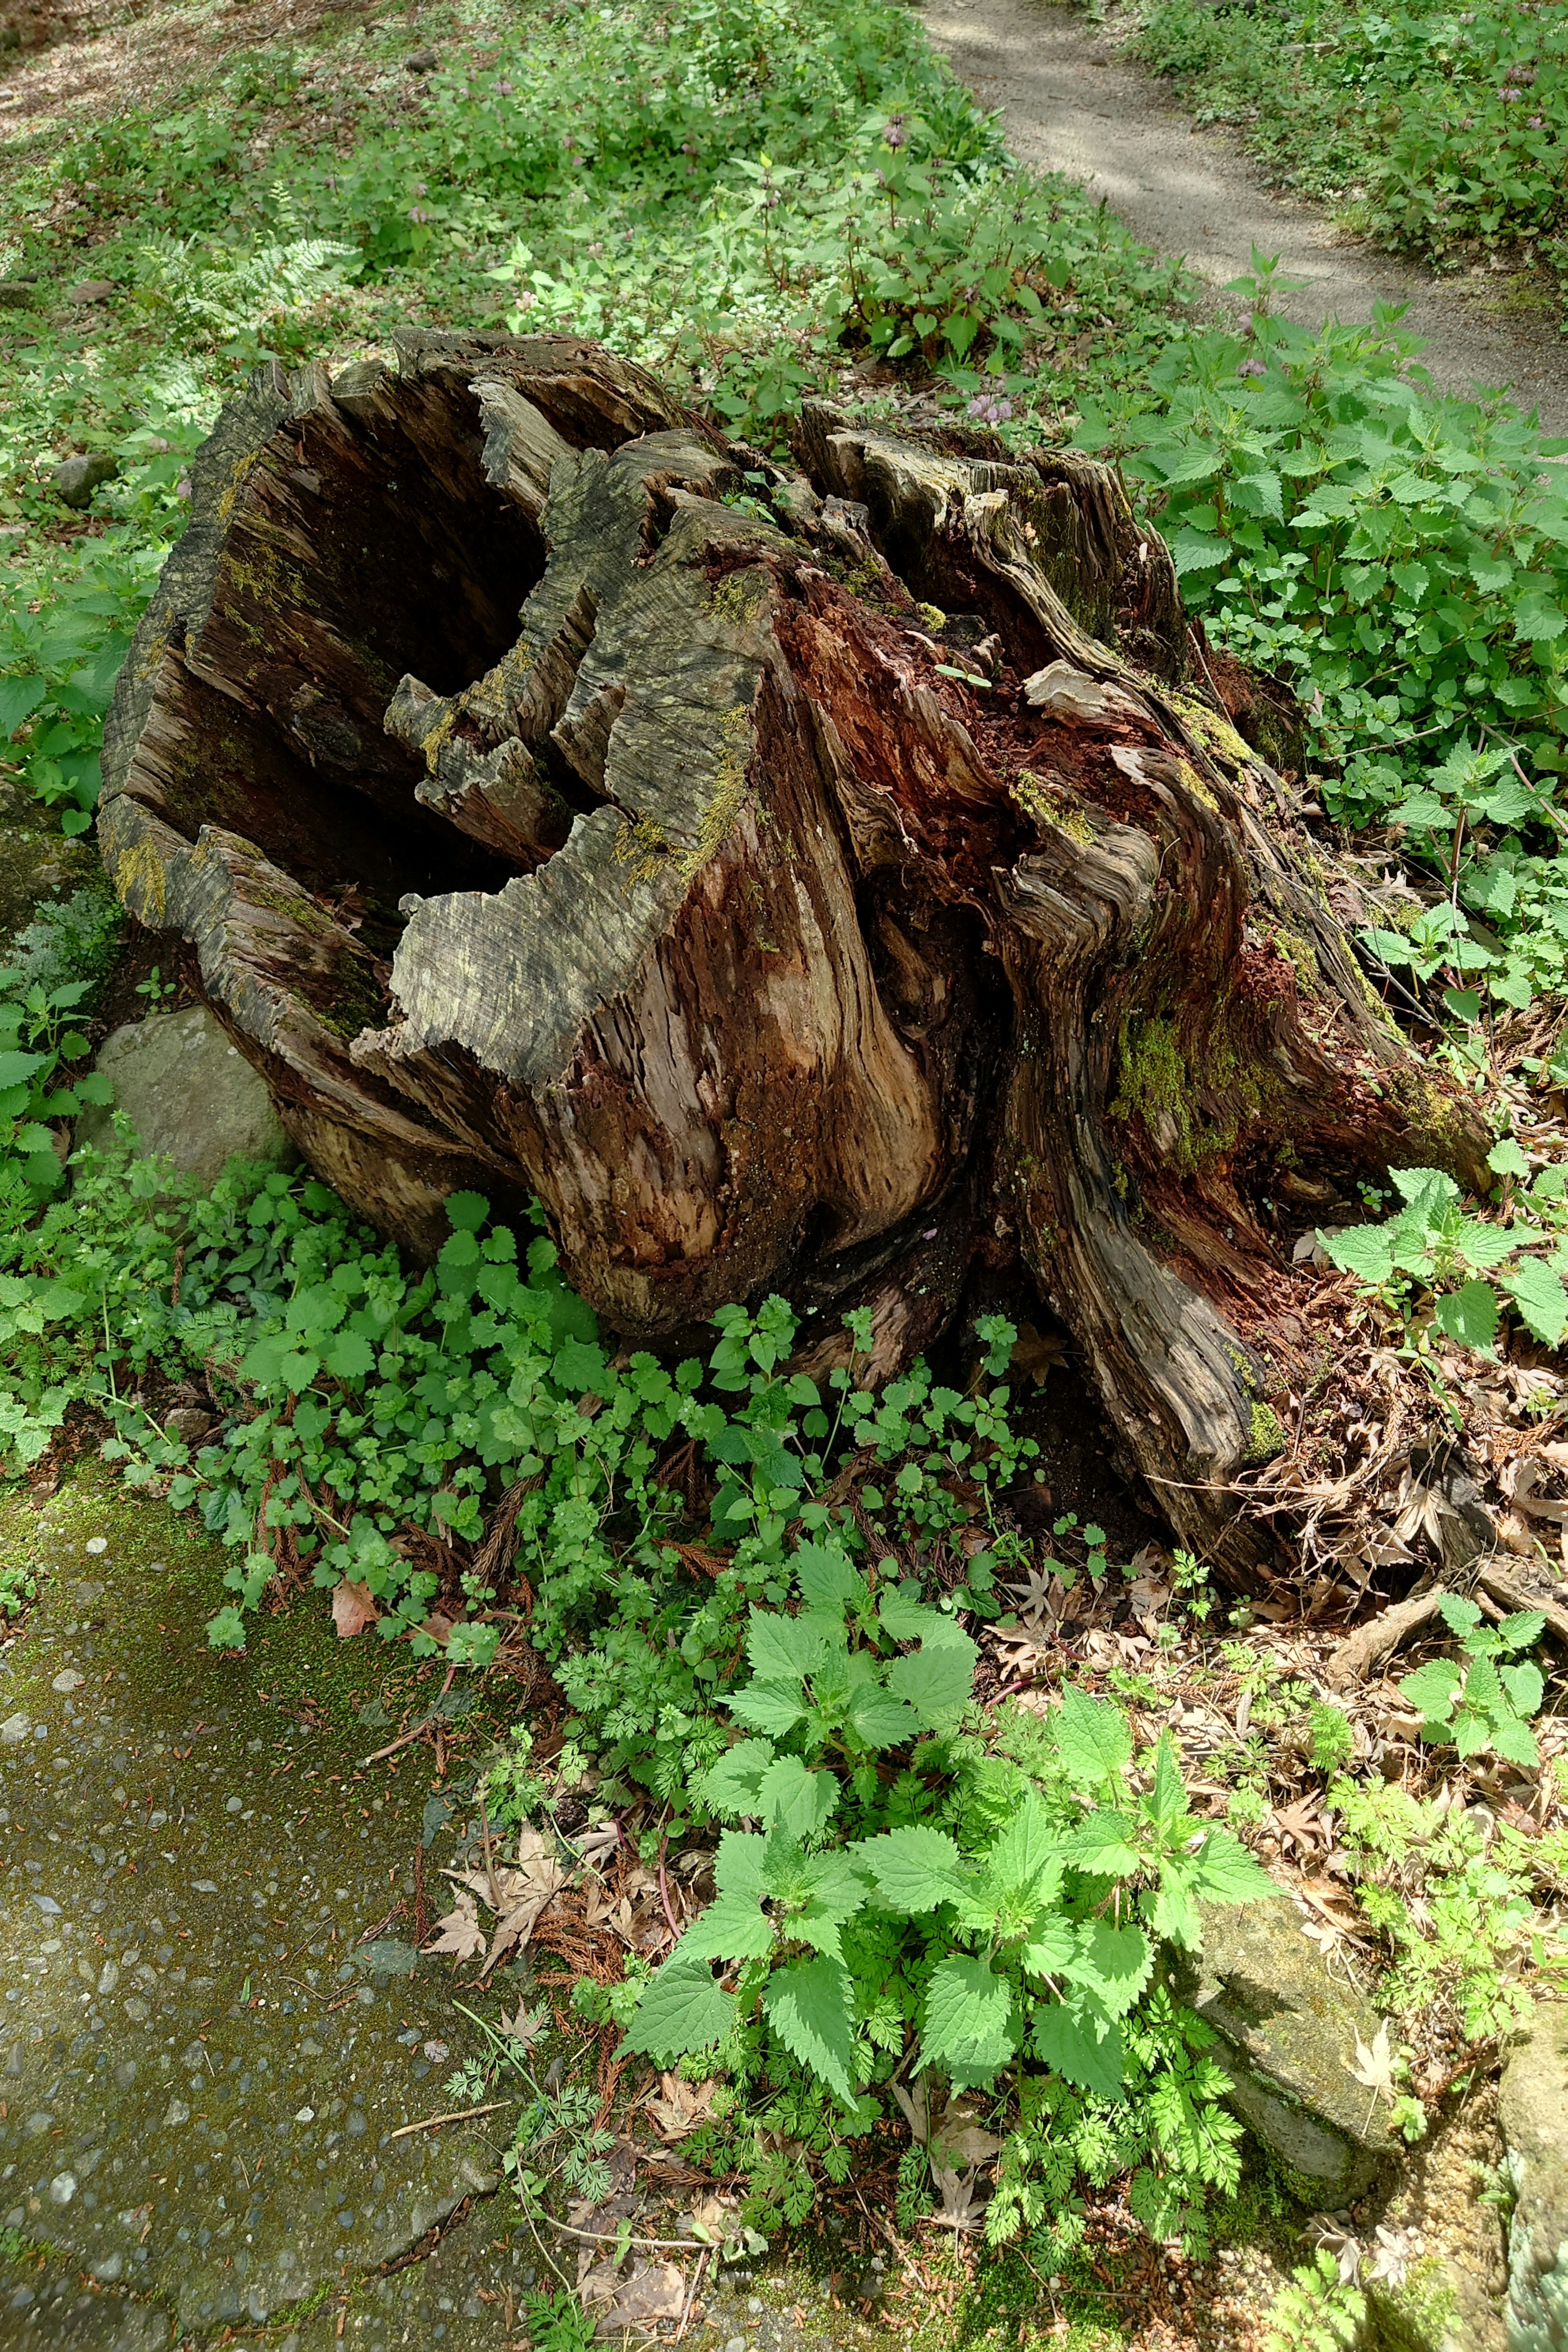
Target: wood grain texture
(849, 893)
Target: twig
(458, 2115)
(423, 1724)
(691, 2298)
(614, 2238)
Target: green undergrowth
(1403, 561)
(927, 1881)
(1436, 129)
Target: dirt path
(1074, 104)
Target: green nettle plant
(1404, 560)
(1014, 1936)
(1434, 1246)
(1483, 1703)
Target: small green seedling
(1485, 1704)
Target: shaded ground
(214, 2022)
(1074, 103)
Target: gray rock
(1287, 2027)
(189, 1093)
(1534, 2112)
(59, 2315)
(77, 479)
(89, 290)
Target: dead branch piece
(612, 2238)
(1367, 1647)
(458, 2115)
(1505, 1585)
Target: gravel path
(1075, 103)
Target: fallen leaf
(460, 1931)
(352, 1608)
(655, 2291)
(527, 2025)
(680, 2106)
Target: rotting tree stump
(838, 881)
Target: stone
(15, 1729)
(1534, 2112)
(89, 290)
(189, 1093)
(1288, 2027)
(77, 477)
(59, 2315)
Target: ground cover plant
(1436, 129)
(936, 1871)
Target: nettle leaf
(1524, 1686)
(732, 1927)
(1094, 2062)
(1174, 1913)
(1541, 1298)
(1525, 1627)
(810, 2007)
(1166, 1802)
(1432, 1688)
(786, 1649)
(1224, 1872)
(1025, 1861)
(879, 1720)
(773, 1707)
(1049, 1947)
(1513, 1742)
(968, 2023)
(1115, 1963)
(915, 1868)
(1101, 1847)
(798, 1800)
(733, 1784)
(1093, 1740)
(681, 2010)
(938, 1680)
(1468, 1314)
(1363, 1250)
(826, 1578)
(739, 1867)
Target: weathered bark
(707, 903)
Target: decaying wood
(1378, 1639)
(853, 895)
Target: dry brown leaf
(655, 2291)
(460, 1931)
(680, 2106)
(352, 1608)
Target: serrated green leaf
(1366, 1251)
(1101, 1845)
(1166, 1802)
(1524, 1686)
(1115, 1963)
(682, 2010)
(1093, 1740)
(1224, 1872)
(1514, 1743)
(1025, 1863)
(968, 2023)
(915, 1868)
(937, 1681)
(1525, 1627)
(771, 1707)
(826, 1578)
(732, 1927)
(1094, 2063)
(350, 1356)
(733, 1784)
(797, 1799)
(1175, 1912)
(809, 2006)
(879, 1720)
(1541, 1298)
(1431, 1688)
(786, 1649)
(1468, 1314)
(1050, 1947)
(916, 1621)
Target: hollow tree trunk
(823, 894)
